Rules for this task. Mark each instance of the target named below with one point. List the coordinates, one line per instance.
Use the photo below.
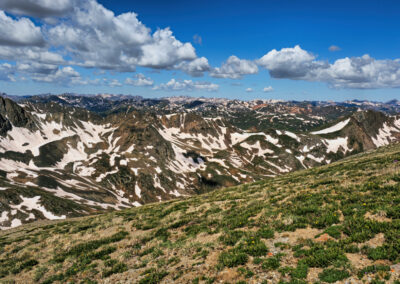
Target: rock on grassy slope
(339, 222)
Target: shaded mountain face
(58, 160)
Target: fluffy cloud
(36, 68)
(95, 37)
(164, 51)
(235, 68)
(187, 85)
(62, 75)
(139, 81)
(91, 36)
(38, 8)
(40, 72)
(249, 90)
(293, 63)
(20, 32)
(362, 72)
(31, 54)
(114, 83)
(195, 68)
(7, 72)
(268, 89)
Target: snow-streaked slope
(334, 128)
(132, 158)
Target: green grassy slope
(334, 223)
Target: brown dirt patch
(377, 217)
(313, 274)
(323, 238)
(358, 261)
(228, 275)
(376, 241)
(307, 233)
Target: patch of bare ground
(323, 238)
(205, 238)
(299, 234)
(313, 274)
(228, 275)
(379, 217)
(358, 261)
(376, 241)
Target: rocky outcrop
(16, 115)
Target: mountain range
(71, 155)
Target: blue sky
(329, 62)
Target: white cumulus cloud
(38, 8)
(268, 89)
(187, 85)
(19, 32)
(235, 68)
(7, 72)
(114, 83)
(85, 33)
(362, 72)
(195, 68)
(140, 80)
(62, 75)
(95, 37)
(293, 63)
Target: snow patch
(334, 128)
(333, 145)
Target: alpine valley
(71, 155)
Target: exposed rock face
(5, 125)
(15, 114)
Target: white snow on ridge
(208, 142)
(384, 136)
(333, 145)
(33, 203)
(21, 139)
(257, 146)
(292, 135)
(240, 137)
(138, 191)
(334, 128)
(280, 169)
(4, 216)
(312, 157)
(103, 175)
(182, 163)
(301, 160)
(73, 155)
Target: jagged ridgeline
(338, 222)
(70, 155)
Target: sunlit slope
(333, 223)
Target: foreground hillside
(333, 223)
